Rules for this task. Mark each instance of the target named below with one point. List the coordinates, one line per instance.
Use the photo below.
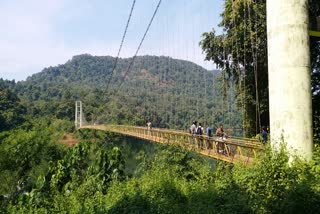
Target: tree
(241, 52)
(11, 112)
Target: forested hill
(93, 72)
(169, 92)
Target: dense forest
(169, 92)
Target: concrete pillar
(81, 116)
(289, 75)
(76, 115)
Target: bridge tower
(289, 75)
(78, 115)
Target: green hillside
(169, 92)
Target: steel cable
(142, 40)
(122, 41)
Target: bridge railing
(232, 149)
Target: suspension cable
(244, 68)
(142, 40)
(121, 44)
(254, 63)
(238, 68)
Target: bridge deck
(232, 150)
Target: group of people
(196, 129)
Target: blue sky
(35, 34)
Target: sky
(35, 34)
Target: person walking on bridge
(220, 132)
(209, 135)
(199, 132)
(193, 130)
(264, 135)
(149, 125)
(221, 136)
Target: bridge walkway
(232, 149)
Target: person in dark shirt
(264, 135)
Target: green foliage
(277, 185)
(11, 112)
(175, 181)
(243, 45)
(25, 154)
(240, 52)
(84, 171)
(7, 84)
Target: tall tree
(11, 112)
(241, 52)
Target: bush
(91, 180)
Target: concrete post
(80, 113)
(289, 75)
(76, 115)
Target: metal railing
(232, 149)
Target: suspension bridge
(231, 149)
(286, 75)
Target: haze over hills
(169, 92)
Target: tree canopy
(11, 112)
